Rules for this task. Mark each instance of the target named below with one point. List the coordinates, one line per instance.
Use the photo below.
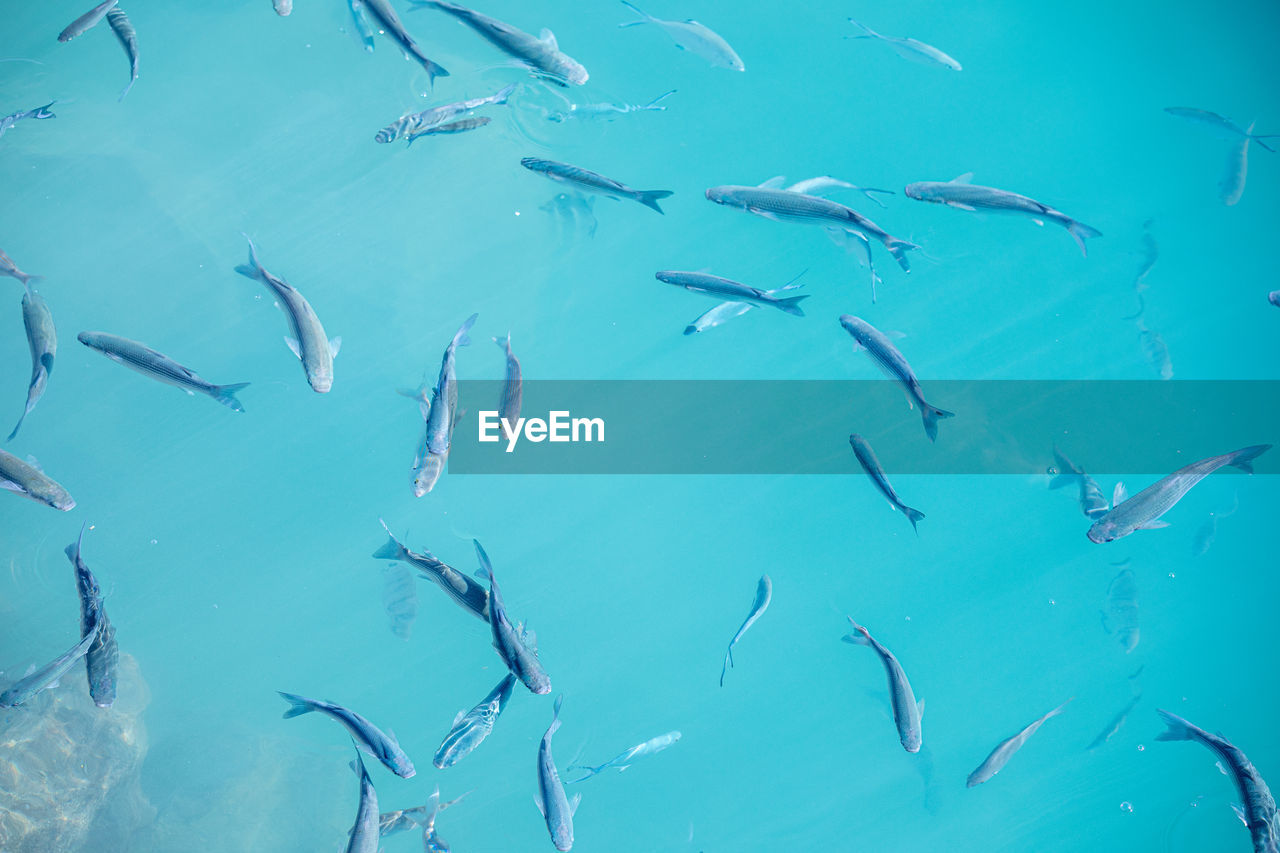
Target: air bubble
(1126, 806)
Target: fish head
(51, 494)
(852, 325)
(402, 766)
(726, 195)
(1103, 530)
(321, 381)
(572, 71)
(920, 191)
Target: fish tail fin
(1080, 231)
(653, 104)
(913, 515)
(1058, 710)
(867, 32)
(1243, 459)
(434, 70)
(226, 395)
(504, 342)
(505, 93)
(298, 705)
(1258, 137)
(644, 16)
(253, 269)
(931, 416)
(860, 637)
(791, 305)
(462, 339)
(899, 248)
(17, 427)
(649, 198)
(126, 89)
(393, 549)
(1178, 728)
(45, 112)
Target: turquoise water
(235, 549)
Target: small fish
(309, 344)
(786, 206)
(147, 361)
(1150, 254)
(592, 182)
(124, 31)
(367, 737)
(891, 362)
(26, 479)
(867, 459)
(764, 595)
(557, 809)
(87, 21)
(1143, 510)
(726, 311)
(1221, 125)
(462, 589)
(393, 823)
(283, 7)
(361, 22)
(1209, 530)
(439, 415)
(512, 386)
(390, 26)
(907, 712)
(6, 122)
(1116, 722)
(604, 111)
(694, 37)
(1092, 502)
(47, 676)
(399, 599)
(1121, 616)
(9, 268)
(962, 195)
(433, 116)
(712, 285)
(517, 647)
(1153, 345)
(42, 340)
(460, 126)
(1000, 756)
(102, 657)
(1258, 809)
(908, 48)
(626, 759)
(364, 833)
(1234, 172)
(470, 728)
(541, 54)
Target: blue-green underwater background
(235, 549)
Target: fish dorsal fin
(774, 183)
(30, 669)
(573, 803)
(966, 178)
(548, 38)
(1120, 495)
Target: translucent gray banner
(803, 427)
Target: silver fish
(283, 7)
(460, 126)
(26, 479)
(1209, 530)
(364, 833)
(512, 386)
(42, 340)
(962, 195)
(102, 657)
(433, 116)
(1121, 616)
(1150, 254)
(392, 28)
(540, 54)
(393, 823)
(9, 268)
(692, 36)
(593, 182)
(124, 31)
(1092, 502)
(726, 311)
(786, 206)
(361, 22)
(439, 415)
(557, 809)
(764, 595)
(1000, 756)
(908, 48)
(517, 646)
(1234, 172)
(604, 111)
(87, 21)
(47, 676)
(627, 758)
(147, 361)
(1258, 809)
(816, 185)
(1221, 125)
(470, 728)
(907, 712)
(309, 344)
(6, 122)
(889, 360)
(462, 589)
(712, 285)
(1274, 298)
(368, 737)
(1143, 510)
(1153, 345)
(1116, 722)
(399, 599)
(867, 459)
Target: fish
(47, 676)
(6, 122)
(1209, 530)
(692, 36)
(470, 728)
(26, 479)
(764, 595)
(1150, 254)
(1121, 615)
(472, 596)
(1258, 809)
(9, 268)
(1153, 345)
(570, 208)
(786, 206)
(1234, 172)
(309, 344)
(283, 7)
(399, 599)
(604, 111)
(625, 760)
(540, 54)
(439, 415)
(907, 712)
(557, 809)
(390, 26)
(1000, 756)
(147, 361)
(433, 116)
(393, 823)
(517, 646)
(593, 182)
(102, 658)
(712, 285)
(1116, 722)
(512, 386)
(124, 31)
(962, 195)
(367, 737)
(361, 22)
(42, 341)
(889, 360)
(1222, 125)
(814, 186)
(1092, 502)
(1273, 297)
(87, 21)
(908, 48)
(364, 833)
(867, 459)
(1143, 510)
(460, 126)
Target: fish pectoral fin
(548, 38)
(1153, 524)
(1239, 812)
(34, 463)
(294, 347)
(761, 212)
(537, 801)
(573, 803)
(1120, 495)
(920, 709)
(458, 718)
(967, 177)
(962, 206)
(11, 486)
(335, 344)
